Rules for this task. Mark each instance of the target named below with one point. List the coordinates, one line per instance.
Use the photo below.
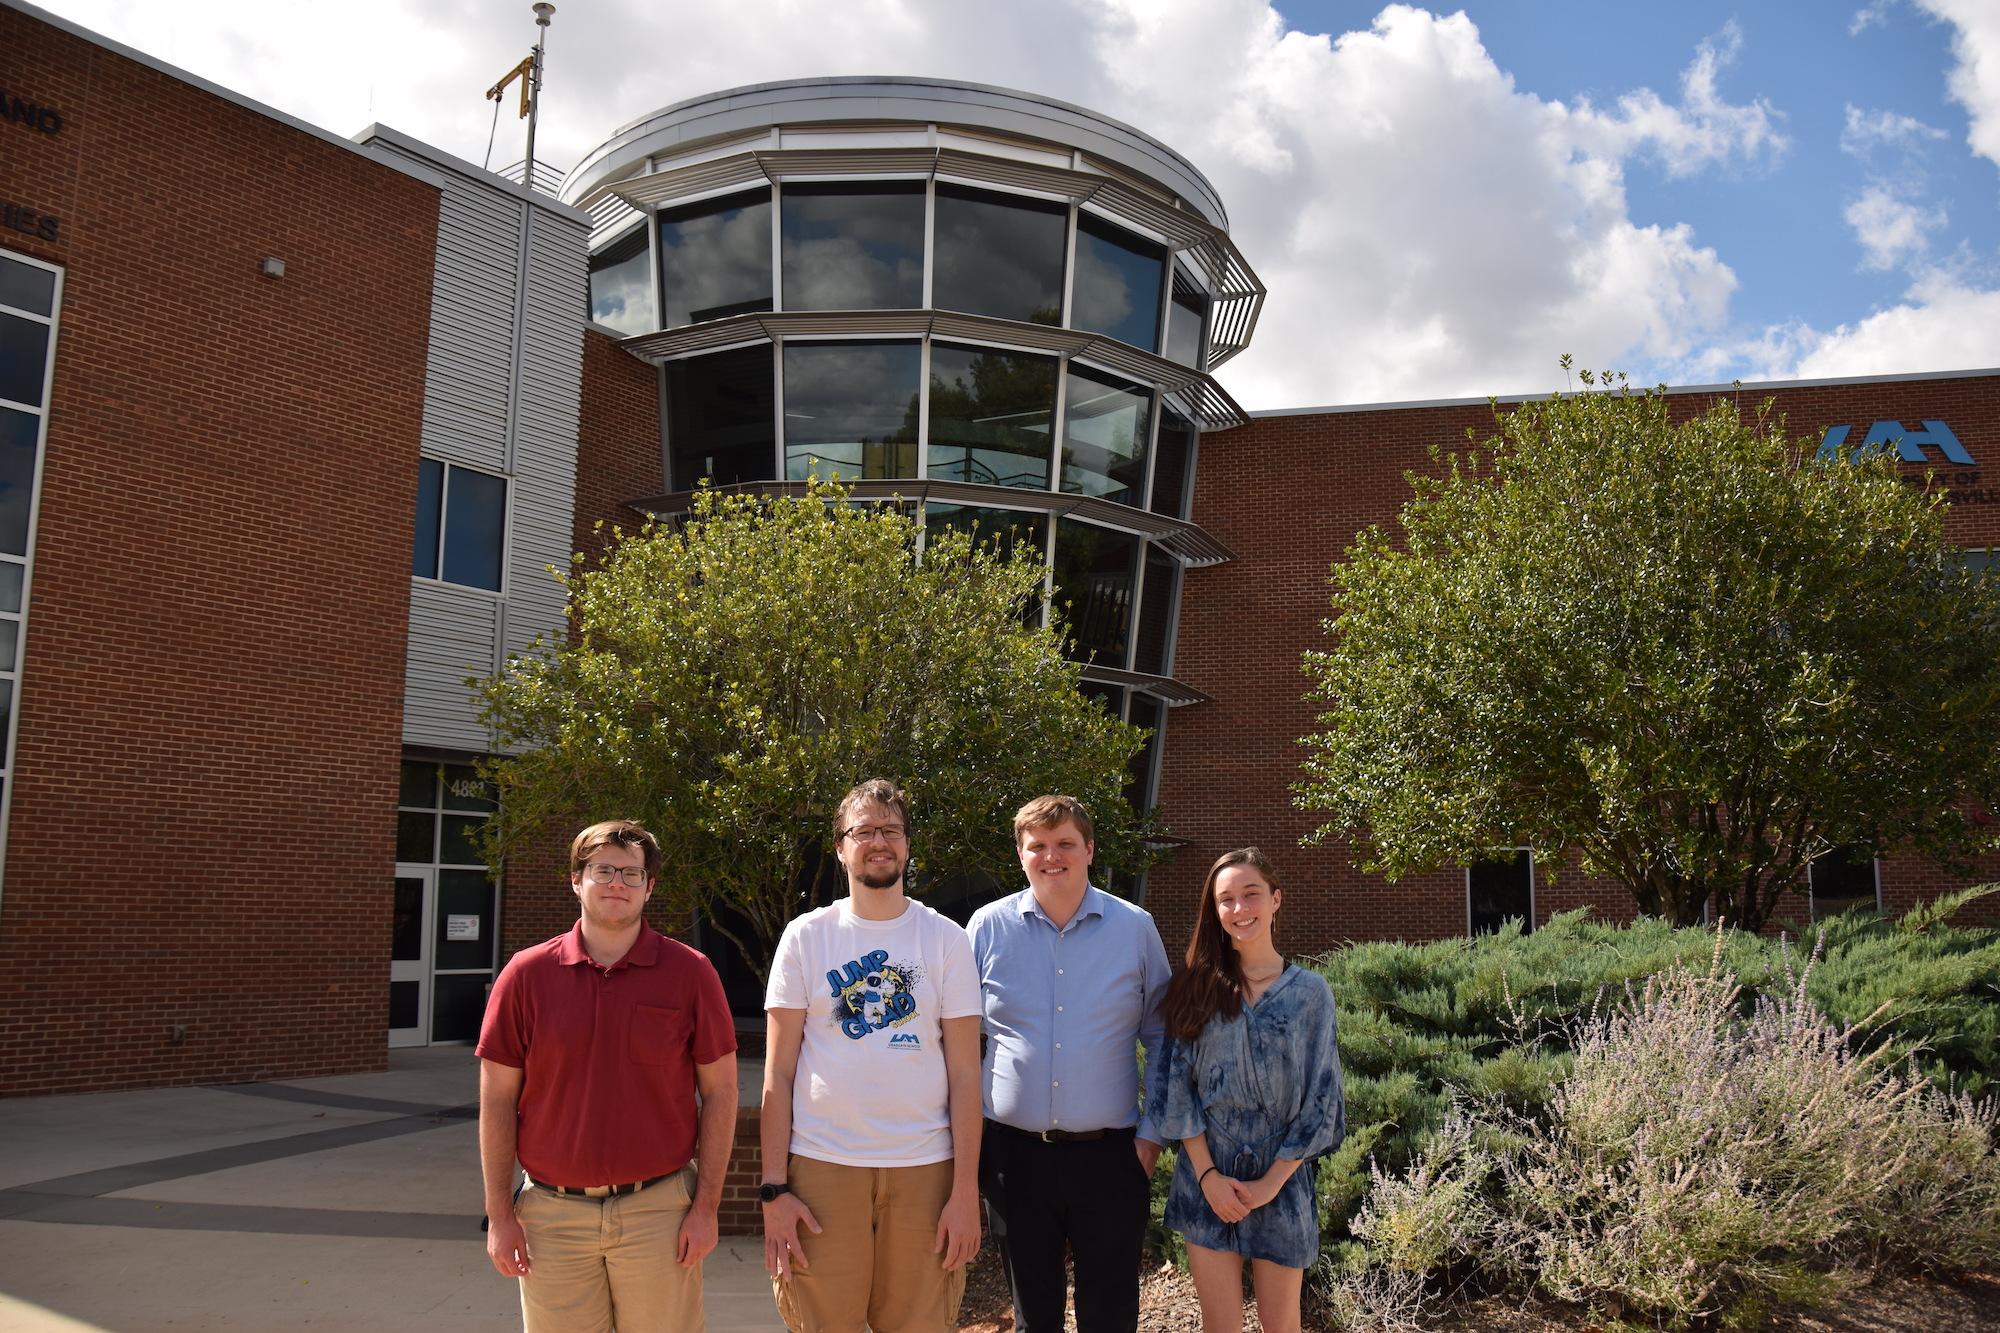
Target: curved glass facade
(931, 310)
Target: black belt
(1065, 1135)
(598, 1191)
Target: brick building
(292, 424)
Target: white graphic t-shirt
(870, 1089)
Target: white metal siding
(502, 391)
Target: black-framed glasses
(891, 833)
(597, 872)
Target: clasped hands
(1231, 1199)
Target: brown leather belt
(1064, 1135)
(598, 1191)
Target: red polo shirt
(609, 1054)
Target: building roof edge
(1745, 386)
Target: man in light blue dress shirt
(1072, 979)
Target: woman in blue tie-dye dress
(1252, 1094)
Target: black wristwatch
(768, 1193)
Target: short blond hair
(1046, 812)
(879, 791)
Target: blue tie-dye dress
(1261, 1086)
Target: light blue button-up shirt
(1065, 1010)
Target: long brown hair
(1212, 985)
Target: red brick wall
(202, 833)
(1288, 494)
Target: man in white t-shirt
(871, 1116)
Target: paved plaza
(347, 1203)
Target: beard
(881, 877)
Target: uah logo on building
(1910, 445)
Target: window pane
(1156, 614)
(10, 643)
(26, 287)
(17, 478)
(463, 894)
(10, 585)
(1144, 711)
(6, 715)
(456, 847)
(1104, 437)
(416, 837)
(721, 418)
(458, 1004)
(1184, 320)
(424, 534)
(1118, 283)
(1841, 880)
(1094, 568)
(475, 526)
(406, 938)
(1170, 468)
(24, 356)
(715, 258)
(1013, 530)
(854, 247)
(1501, 891)
(999, 255)
(404, 997)
(853, 407)
(464, 789)
(991, 417)
(618, 277)
(418, 785)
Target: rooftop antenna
(529, 71)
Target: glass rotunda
(997, 307)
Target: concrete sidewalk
(328, 1204)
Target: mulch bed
(1167, 1304)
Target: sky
(1442, 203)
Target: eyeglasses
(887, 833)
(599, 873)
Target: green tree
(1691, 650)
(727, 678)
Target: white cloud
(1704, 130)
(1866, 130)
(1868, 16)
(1975, 79)
(1942, 325)
(1892, 231)
(1425, 228)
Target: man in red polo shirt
(593, 1047)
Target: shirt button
(1058, 1008)
(1059, 971)
(1058, 1045)
(1056, 1084)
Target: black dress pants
(1090, 1196)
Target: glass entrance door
(410, 956)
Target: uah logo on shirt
(871, 993)
(906, 1041)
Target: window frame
(1812, 898)
(444, 526)
(26, 561)
(1527, 924)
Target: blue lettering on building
(1909, 444)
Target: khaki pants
(603, 1264)
(872, 1265)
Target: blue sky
(1442, 201)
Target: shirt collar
(1092, 904)
(645, 950)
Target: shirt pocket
(659, 1035)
